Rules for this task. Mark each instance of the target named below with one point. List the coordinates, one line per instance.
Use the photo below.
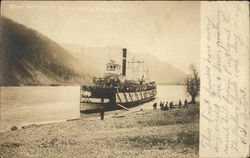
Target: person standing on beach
(166, 106)
(180, 103)
(171, 105)
(162, 106)
(185, 103)
(102, 113)
(154, 106)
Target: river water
(167, 93)
(22, 106)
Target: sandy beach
(123, 134)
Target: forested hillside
(30, 58)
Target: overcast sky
(169, 30)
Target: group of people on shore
(170, 105)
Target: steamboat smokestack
(124, 50)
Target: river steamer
(114, 89)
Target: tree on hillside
(193, 83)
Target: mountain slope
(30, 58)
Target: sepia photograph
(100, 79)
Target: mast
(82, 61)
(147, 72)
(136, 69)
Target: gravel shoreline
(123, 134)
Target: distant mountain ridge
(160, 71)
(30, 58)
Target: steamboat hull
(112, 98)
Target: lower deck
(123, 98)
